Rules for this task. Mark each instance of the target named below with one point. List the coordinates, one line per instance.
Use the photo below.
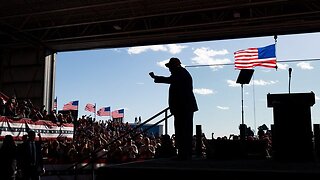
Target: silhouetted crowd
(96, 141)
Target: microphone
(290, 71)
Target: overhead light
(117, 27)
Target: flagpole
(75, 120)
(55, 105)
(95, 111)
(275, 44)
(77, 111)
(111, 115)
(254, 104)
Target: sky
(119, 78)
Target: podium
(292, 129)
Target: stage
(202, 167)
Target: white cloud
(262, 82)
(205, 56)
(175, 48)
(282, 66)
(116, 50)
(171, 48)
(232, 83)
(203, 91)
(305, 65)
(222, 107)
(162, 63)
(141, 49)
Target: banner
(47, 129)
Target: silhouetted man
(182, 104)
(30, 158)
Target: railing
(93, 156)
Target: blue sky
(119, 78)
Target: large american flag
(251, 57)
(118, 113)
(104, 111)
(90, 107)
(72, 105)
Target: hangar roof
(61, 25)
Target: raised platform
(167, 168)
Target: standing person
(182, 104)
(30, 158)
(8, 153)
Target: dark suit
(8, 155)
(182, 104)
(29, 163)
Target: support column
(49, 80)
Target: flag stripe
(269, 60)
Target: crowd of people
(107, 141)
(110, 141)
(101, 141)
(104, 138)
(26, 109)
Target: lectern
(292, 129)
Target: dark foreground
(198, 167)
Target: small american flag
(72, 105)
(252, 57)
(4, 98)
(90, 107)
(118, 113)
(104, 111)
